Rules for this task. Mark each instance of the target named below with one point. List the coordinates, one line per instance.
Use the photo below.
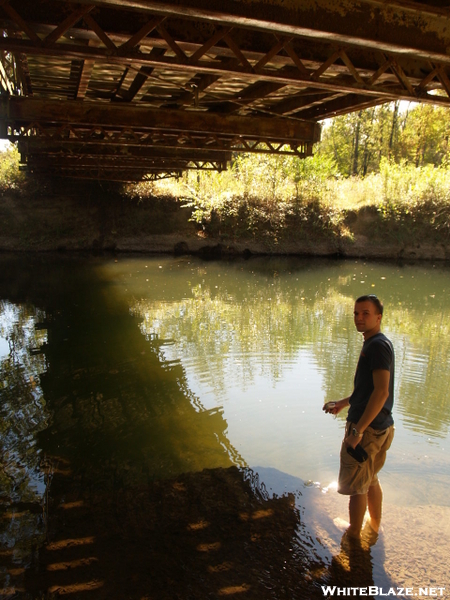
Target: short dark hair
(375, 301)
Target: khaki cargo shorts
(356, 478)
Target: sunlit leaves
(10, 176)
(416, 134)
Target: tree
(424, 135)
(418, 134)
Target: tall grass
(282, 197)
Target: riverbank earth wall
(96, 218)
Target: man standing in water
(370, 425)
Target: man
(369, 421)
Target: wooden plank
(85, 77)
(285, 76)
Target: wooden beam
(141, 34)
(340, 106)
(5, 81)
(69, 22)
(369, 24)
(29, 110)
(303, 100)
(111, 172)
(104, 162)
(250, 94)
(23, 72)
(18, 20)
(69, 148)
(141, 77)
(313, 53)
(295, 76)
(115, 176)
(286, 76)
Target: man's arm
(376, 402)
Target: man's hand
(352, 440)
(333, 408)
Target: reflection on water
(270, 341)
(23, 413)
(160, 416)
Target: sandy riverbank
(411, 551)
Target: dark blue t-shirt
(377, 353)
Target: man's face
(367, 319)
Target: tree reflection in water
(267, 313)
(141, 494)
(23, 413)
(116, 480)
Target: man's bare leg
(357, 509)
(375, 501)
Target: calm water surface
(173, 380)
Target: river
(162, 433)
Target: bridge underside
(141, 89)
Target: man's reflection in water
(353, 566)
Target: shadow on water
(116, 483)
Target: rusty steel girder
(201, 75)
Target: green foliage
(417, 135)
(424, 135)
(416, 198)
(282, 198)
(394, 158)
(10, 176)
(262, 196)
